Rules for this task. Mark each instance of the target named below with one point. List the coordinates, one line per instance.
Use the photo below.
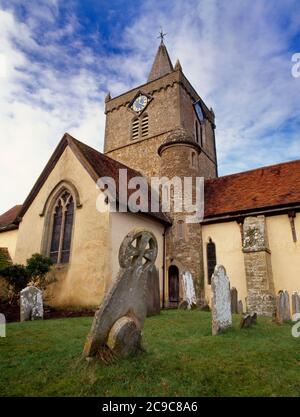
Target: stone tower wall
(184, 252)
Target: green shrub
(17, 278)
(37, 267)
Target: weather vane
(161, 35)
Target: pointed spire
(178, 65)
(108, 97)
(162, 64)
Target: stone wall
(185, 249)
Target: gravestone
(2, 325)
(282, 307)
(287, 307)
(31, 304)
(253, 317)
(189, 289)
(183, 305)
(240, 307)
(234, 300)
(295, 303)
(117, 326)
(221, 300)
(247, 320)
(153, 298)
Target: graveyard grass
(43, 358)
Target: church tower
(163, 128)
(138, 121)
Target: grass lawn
(181, 359)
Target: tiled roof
(275, 186)
(7, 219)
(105, 166)
(97, 165)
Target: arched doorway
(173, 284)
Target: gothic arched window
(211, 259)
(62, 225)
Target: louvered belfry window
(140, 127)
(62, 225)
(135, 129)
(211, 259)
(145, 126)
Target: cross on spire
(161, 35)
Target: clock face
(139, 103)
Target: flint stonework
(258, 267)
(221, 300)
(117, 327)
(31, 304)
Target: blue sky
(59, 58)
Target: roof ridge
(254, 169)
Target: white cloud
(236, 54)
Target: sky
(59, 58)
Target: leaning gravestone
(240, 307)
(221, 300)
(117, 327)
(153, 298)
(189, 289)
(295, 303)
(31, 304)
(234, 300)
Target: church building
(162, 128)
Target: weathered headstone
(153, 297)
(31, 304)
(189, 289)
(245, 321)
(2, 325)
(282, 307)
(234, 300)
(221, 300)
(240, 307)
(183, 305)
(295, 303)
(117, 327)
(287, 307)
